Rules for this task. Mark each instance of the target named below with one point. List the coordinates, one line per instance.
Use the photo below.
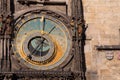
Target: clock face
(42, 42)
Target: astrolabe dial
(42, 41)
(38, 47)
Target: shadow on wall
(83, 43)
(12, 7)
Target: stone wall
(103, 19)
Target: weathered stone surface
(103, 19)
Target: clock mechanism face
(41, 41)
